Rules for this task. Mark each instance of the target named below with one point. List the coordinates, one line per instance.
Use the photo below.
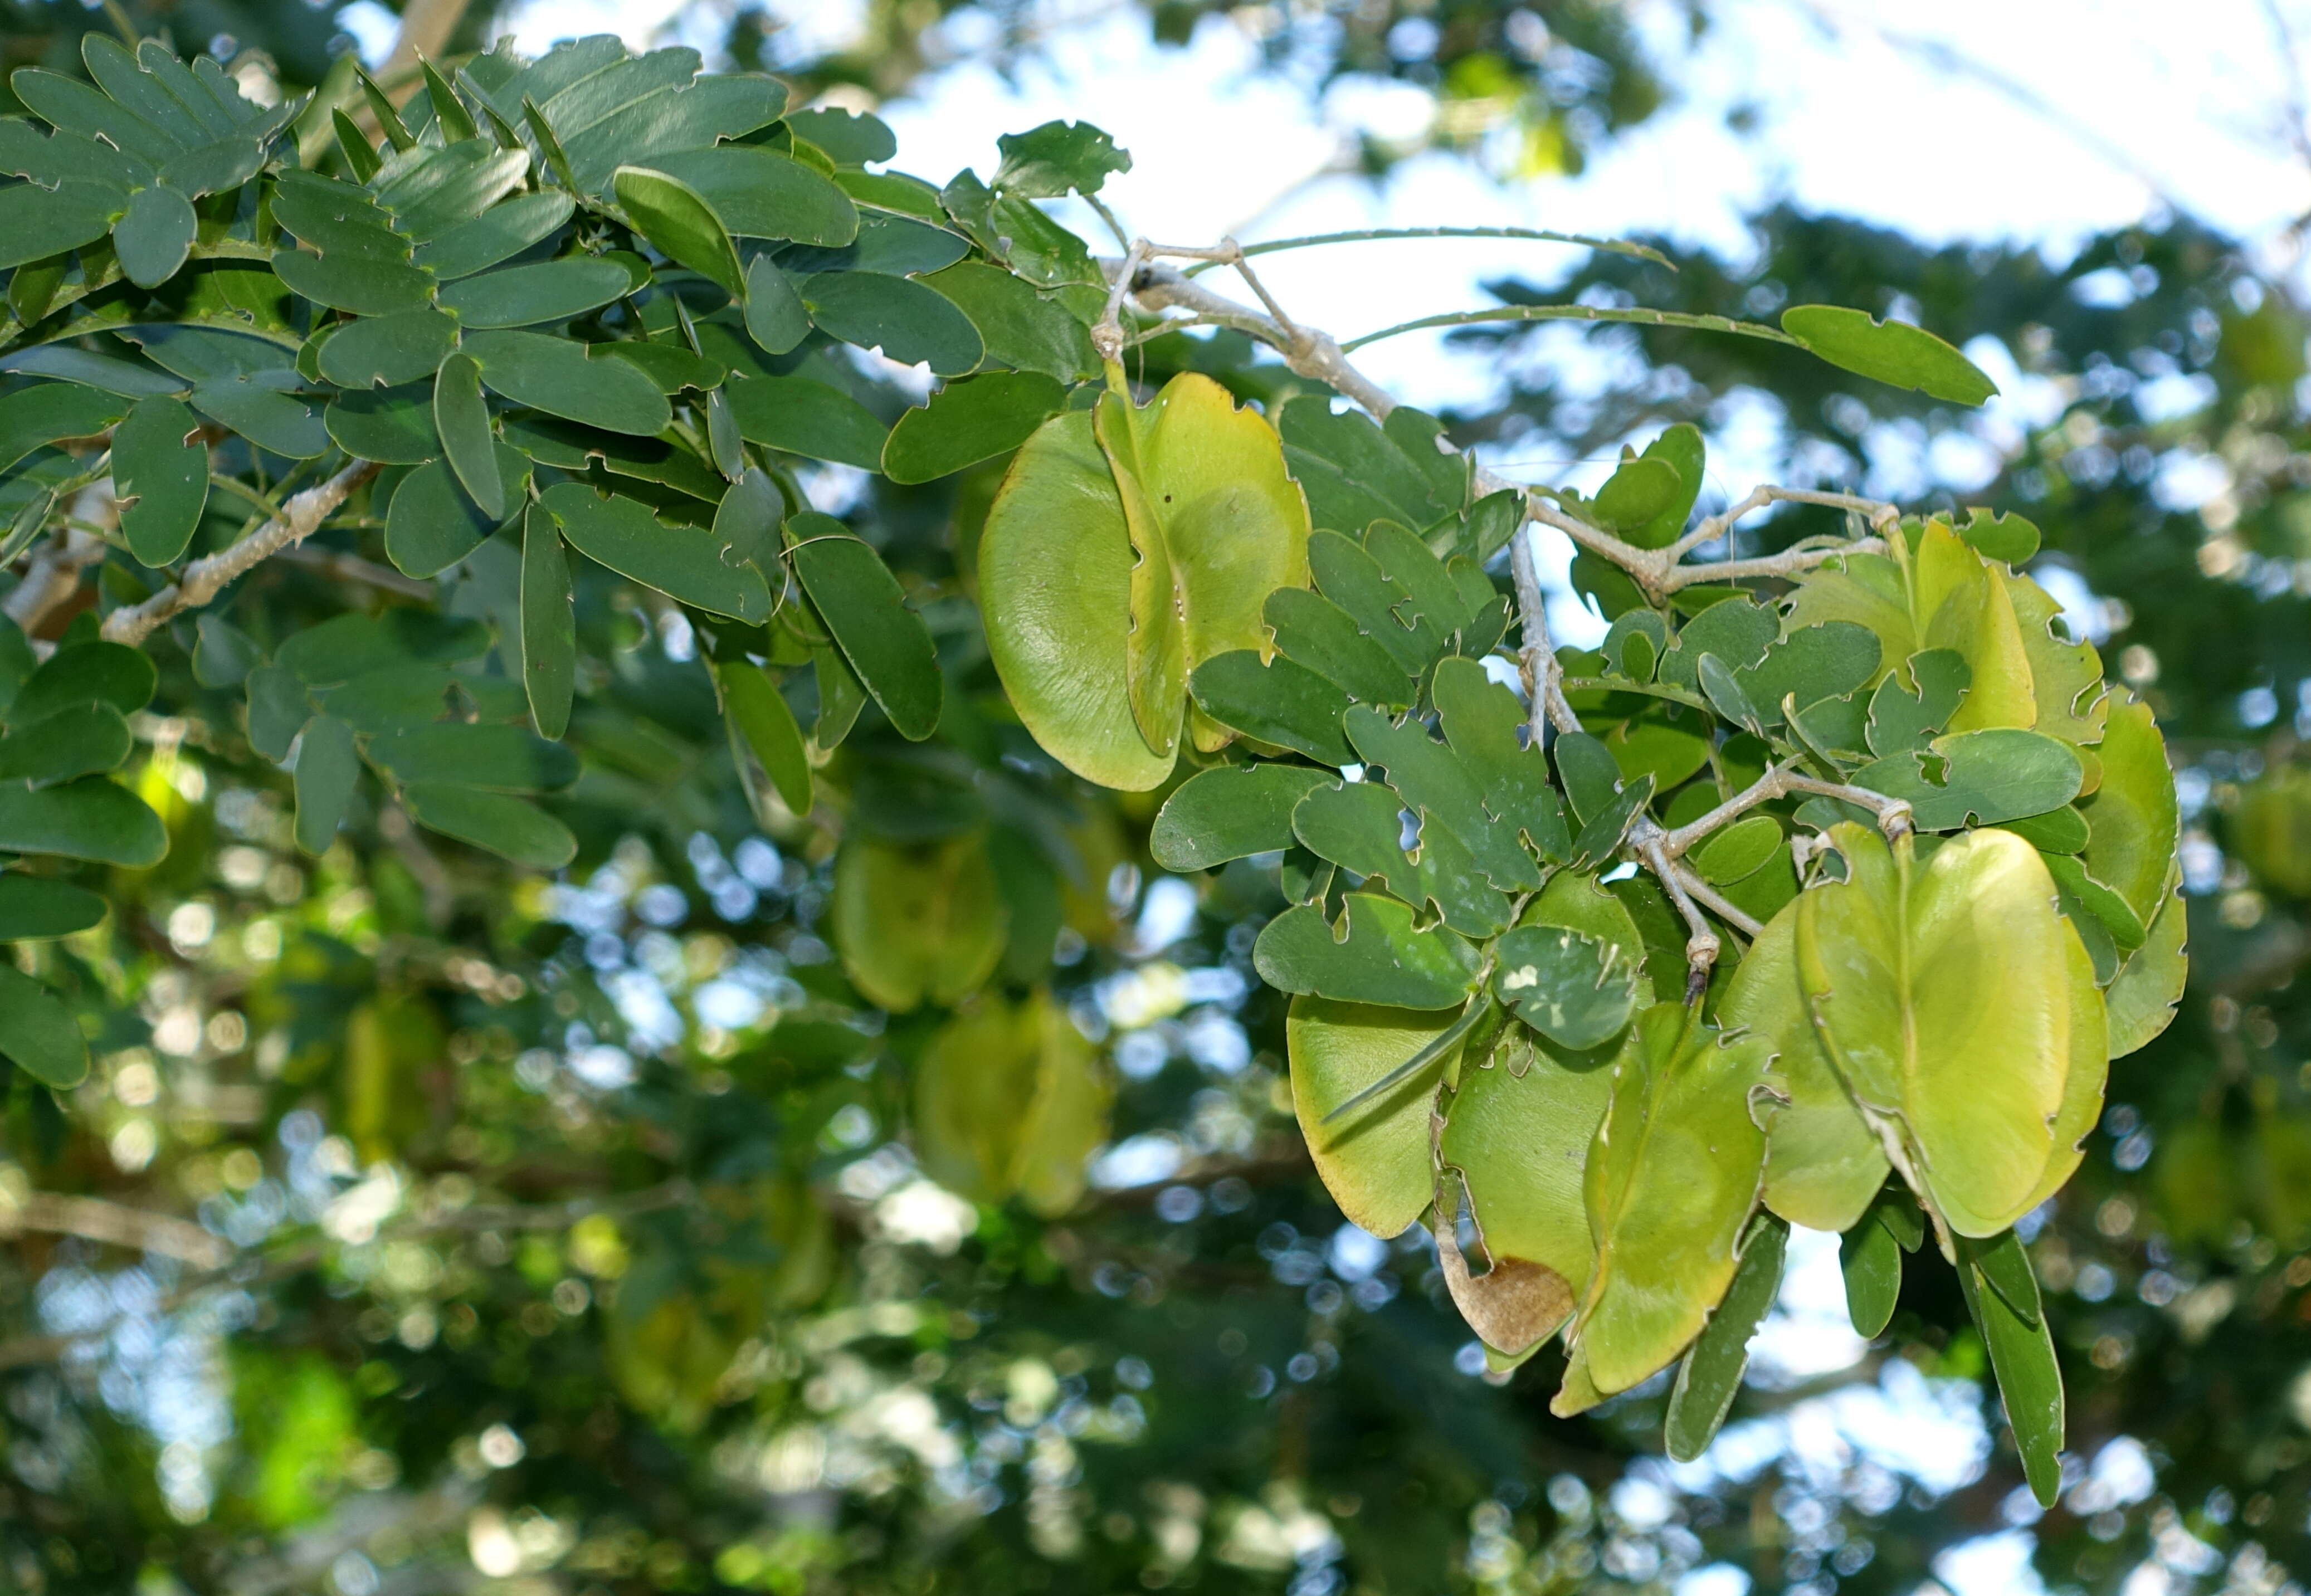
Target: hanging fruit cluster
(1814, 882)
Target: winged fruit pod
(1672, 1177)
(1122, 551)
(1944, 993)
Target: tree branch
(1544, 674)
(204, 578)
(115, 1224)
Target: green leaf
(557, 376)
(809, 418)
(527, 295)
(1278, 702)
(36, 223)
(1519, 1130)
(33, 418)
(2115, 915)
(1710, 1374)
(1360, 826)
(1022, 328)
(499, 758)
(391, 426)
(683, 562)
(1483, 725)
(85, 673)
(2141, 1000)
(1812, 663)
(759, 712)
(262, 409)
(365, 283)
(2057, 830)
(763, 194)
(1889, 352)
(776, 318)
(278, 708)
(433, 522)
(1871, 1262)
(1230, 813)
(1998, 774)
(1378, 957)
(160, 472)
(512, 828)
(2133, 819)
(884, 642)
(327, 770)
(1057, 158)
(84, 740)
(1434, 779)
(1739, 850)
(1671, 1178)
(335, 218)
(1904, 716)
(1373, 1159)
(2029, 1382)
(500, 233)
(2005, 1268)
(1738, 631)
(680, 221)
(1928, 984)
(33, 908)
(2003, 536)
(154, 236)
(385, 351)
(909, 322)
(1638, 492)
(549, 626)
(38, 1033)
(1823, 1162)
(917, 924)
(461, 416)
(894, 246)
(853, 138)
(969, 422)
(91, 819)
(1575, 989)
(1355, 472)
(1312, 631)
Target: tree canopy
(731, 870)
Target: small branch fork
(1142, 279)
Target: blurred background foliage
(651, 1230)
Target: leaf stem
(1385, 234)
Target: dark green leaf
(500, 233)
(1278, 702)
(1362, 827)
(808, 418)
(549, 626)
(759, 713)
(461, 416)
(278, 708)
(894, 246)
(510, 827)
(85, 740)
(34, 908)
(434, 522)
(1575, 989)
(910, 323)
(264, 408)
(1872, 1263)
(385, 351)
(762, 193)
(160, 472)
(841, 698)
(1738, 632)
(1047, 161)
(127, 379)
(364, 284)
(391, 426)
(1318, 634)
(33, 418)
(36, 223)
(1904, 716)
(1889, 352)
(1485, 725)
(1230, 813)
(327, 770)
(2004, 535)
(2029, 1382)
(222, 653)
(1379, 957)
(2005, 1268)
(1022, 328)
(680, 221)
(1432, 777)
(1811, 664)
(557, 376)
(1996, 774)
(683, 562)
(2057, 830)
(38, 1033)
(851, 138)
(1710, 1377)
(499, 758)
(1589, 774)
(153, 238)
(864, 606)
(776, 318)
(93, 818)
(525, 295)
(1640, 491)
(969, 422)
(84, 673)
